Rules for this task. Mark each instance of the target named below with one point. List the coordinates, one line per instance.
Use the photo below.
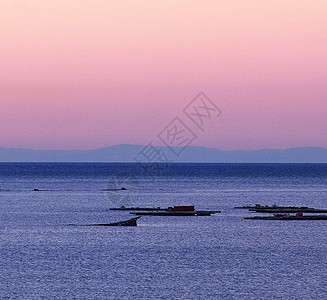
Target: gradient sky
(87, 74)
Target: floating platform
(289, 218)
(177, 213)
(139, 208)
(289, 210)
(186, 210)
(259, 206)
(281, 209)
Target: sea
(49, 251)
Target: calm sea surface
(46, 252)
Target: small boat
(117, 189)
(130, 222)
(177, 211)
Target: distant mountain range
(128, 153)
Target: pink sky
(87, 74)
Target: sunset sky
(87, 74)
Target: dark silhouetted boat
(130, 222)
(117, 189)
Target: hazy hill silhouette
(127, 153)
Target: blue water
(46, 252)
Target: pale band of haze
(90, 74)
